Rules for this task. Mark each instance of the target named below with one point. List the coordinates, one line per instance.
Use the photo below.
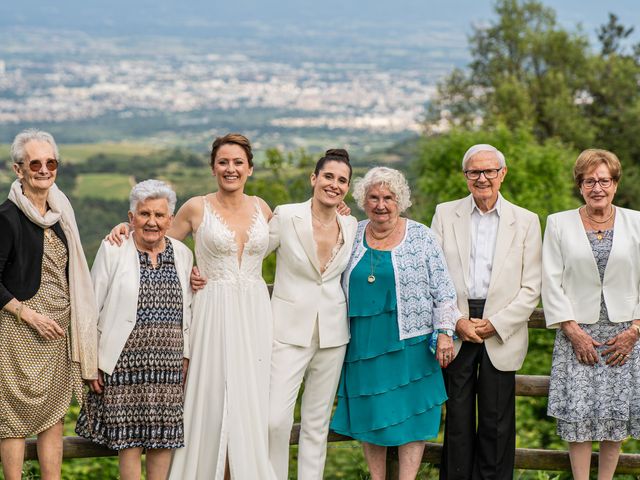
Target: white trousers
(320, 369)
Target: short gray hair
(393, 179)
(151, 189)
(483, 147)
(29, 135)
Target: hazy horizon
(167, 16)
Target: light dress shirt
(484, 232)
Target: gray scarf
(84, 311)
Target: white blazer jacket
(116, 281)
(571, 286)
(514, 287)
(301, 294)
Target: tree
(526, 72)
(612, 35)
(529, 73)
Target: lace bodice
(217, 250)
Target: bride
(227, 392)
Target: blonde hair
(590, 159)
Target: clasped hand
(584, 346)
(475, 330)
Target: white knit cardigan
(426, 297)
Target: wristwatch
(449, 332)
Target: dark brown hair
(235, 139)
(334, 155)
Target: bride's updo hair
(235, 139)
(334, 155)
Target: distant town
(69, 78)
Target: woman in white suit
(590, 291)
(313, 245)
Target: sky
(174, 16)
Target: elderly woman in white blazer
(591, 293)
(144, 302)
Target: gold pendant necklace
(599, 234)
(372, 278)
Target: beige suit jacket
(301, 294)
(514, 288)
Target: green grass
(190, 182)
(107, 186)
(80, 152)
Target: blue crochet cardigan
(426, 297)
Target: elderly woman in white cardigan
(591, 294)
(402, 310)
(144, 300)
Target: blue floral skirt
(595, 403)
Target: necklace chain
(600, 222)
(372, 278)
(382, 237)
(599, 233)
(325, 225)
(317, 219)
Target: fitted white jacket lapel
(346, 247)
(304, 230)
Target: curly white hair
(391, 178)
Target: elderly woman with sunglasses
(591, 294)
(49, 315)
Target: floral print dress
(595, 403)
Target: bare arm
(266, 210)
(188, 219)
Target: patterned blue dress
(595, 403)
(142, 401)
(391, 391)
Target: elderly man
(493, 250)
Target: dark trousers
(488, 451)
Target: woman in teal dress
(402, 309)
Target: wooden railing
(526, 458)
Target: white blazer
(301, 294)
(571, 286)
(514, 287)
(116, 281)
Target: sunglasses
(36, 165)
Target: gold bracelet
(19, 312)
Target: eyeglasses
(36, 165)
(489, 173)
(589, 183)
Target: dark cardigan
(21, 252)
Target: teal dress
(391, 391)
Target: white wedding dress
(227, 391)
